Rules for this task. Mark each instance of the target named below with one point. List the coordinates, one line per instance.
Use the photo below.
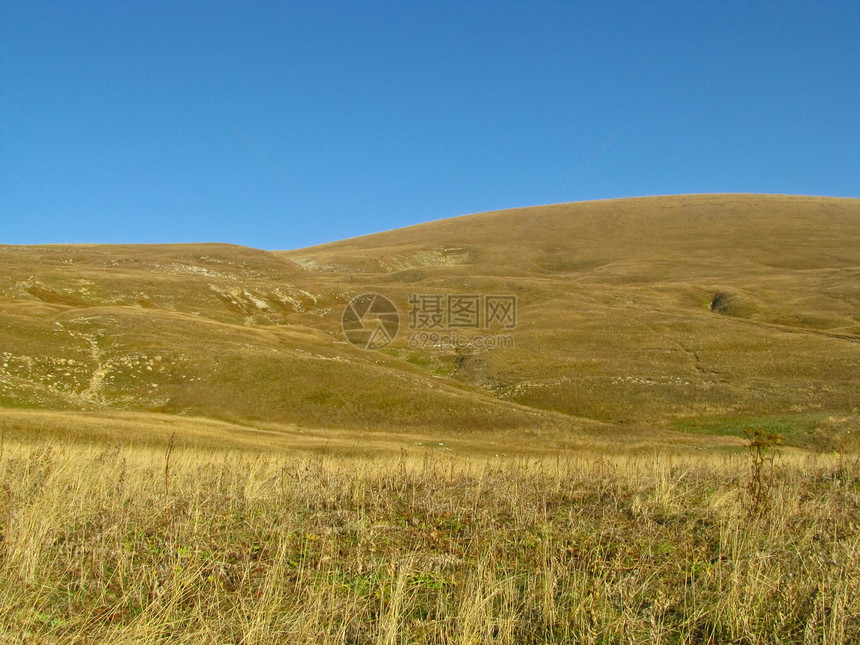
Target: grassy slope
(650, 311)
(636, 317)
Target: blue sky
(118, 120)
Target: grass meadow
(173, 544)
(191, 450)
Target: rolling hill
(673, 320)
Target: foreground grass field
(149, 544)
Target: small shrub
(762, 449)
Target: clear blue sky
(117, 118)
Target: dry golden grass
(110, 428)
(183, 545)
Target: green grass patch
(809, 430)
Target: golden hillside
(674, 319)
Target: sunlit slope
(699, 313)
(673, 236)
(211, 330)
(648, 311)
